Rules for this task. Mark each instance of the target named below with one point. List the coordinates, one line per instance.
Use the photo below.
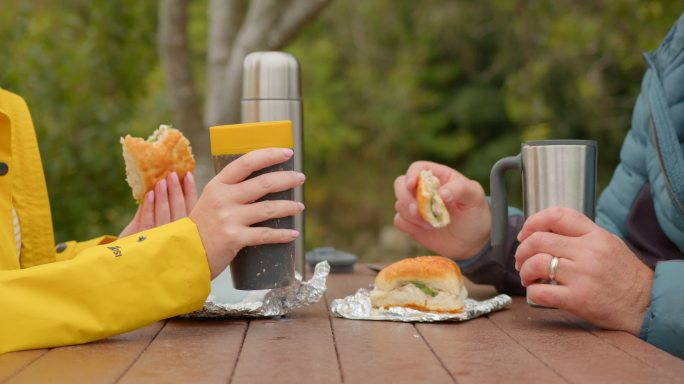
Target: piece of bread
(148, 161)
(425, 283)
(430, 204)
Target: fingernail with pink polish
(150, 197)
(174, 177)
(294, 233)
(300, 206)
(188, 177)
(287, 152)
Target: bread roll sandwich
(425, 283)
(148, 161)
(430, 204)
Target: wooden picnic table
(517, 344)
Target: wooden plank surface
(190, 351)
(99, 362)
(571, 350)
(477, 351)
(12, 363)
(460, 347)
(294, 349)
(649, 354)
(380, 351)
(518, 344)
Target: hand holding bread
(150, 161)
(159, 171)
(468, 227)
(168, 201)
(430, 205)
(153, 167)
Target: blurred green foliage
(462, 83)
(385, 82)
(82, 67)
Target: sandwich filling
(431, 205)
(421, 296)
(436, 206)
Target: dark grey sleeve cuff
(496, 266)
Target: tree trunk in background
(175, 54)
(236, 28)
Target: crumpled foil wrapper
(358, 307)
(270, 302)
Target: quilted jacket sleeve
(663, 324)
(630, 175)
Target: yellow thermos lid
(233, 139)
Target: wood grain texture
(380, 351)
(477, 351)
(12, 363)
(570, 349)
(648, 354)
(99, 362)
(190, 351)
(294, 349)
(520, 344)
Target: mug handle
(499, 198)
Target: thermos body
(555, 173)
(559, 175)
(264, 266)
(271, 91)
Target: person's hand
(169, 201)
(599, 278)
(227, 208)
(470, 224)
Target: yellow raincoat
(80, 292)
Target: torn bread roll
(430, 204)
(151, 160)
(425, 283)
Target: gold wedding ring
(553, 268)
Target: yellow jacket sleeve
(69, 249)
(105, 290)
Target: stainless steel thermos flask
(271, 90)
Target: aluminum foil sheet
(270, 302)
(358, 307)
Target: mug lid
(591, 143)
(339, 261)
(233, 139)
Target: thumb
(462, 193)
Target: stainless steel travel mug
(269, 265)
(271, 91)
(555, 173)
